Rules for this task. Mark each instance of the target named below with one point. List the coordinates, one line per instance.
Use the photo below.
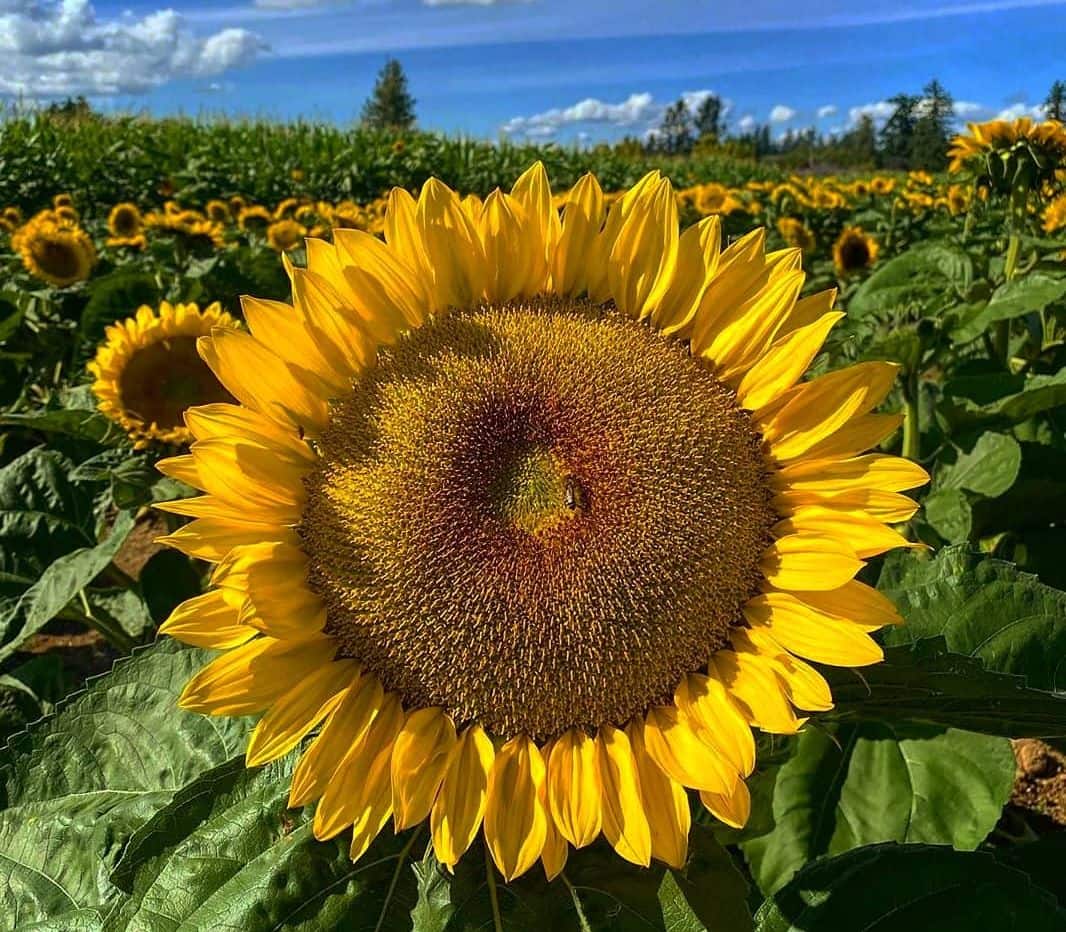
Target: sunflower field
(402, 533)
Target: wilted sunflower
(125, 221)
(854, 251)
(55, 250)
(283, 235)
(147, 371)
(535, 519)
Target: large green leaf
(972, 400)
(907, 888)
(925, 683)
(79, 783)
(80, 423)
(880, 782)
(989, 469)
(983, 608)
(1032, 292)
(58, 584)
(921, 278)
(43, 515)
(949, 513)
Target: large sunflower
(147, 371)
(533, 520)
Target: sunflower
(286, 207)
(62, 200)
(283, 235)
(217, 211)
(54, 249)
(533, 520)
(13, 215)
(125, 221)
(854, 251)
(796, 233)
(1003, 155)
(882, 185)
(254, 219)
(1055, 215)
(147, 371)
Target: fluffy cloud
(1014, 111)
(781, 114)
(747, 123)
(828, 110)
(60, 48)
(640, 113)
(879, 111)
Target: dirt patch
(84, 652)
(1040, 779)
(139, 548)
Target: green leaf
(114, 297)
(989, 469)
(926, 683)
(1006, 399)
(948, 512)
(60, 583)
(82, 424)
(43, 515)
(78, 784)
(879, 782)
(597, 890)
(167, 580)
(983, 608)
(921, 278)
(904, 888)
(1033, 292)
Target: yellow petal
(666, 802)
(731, 808)
(832, 477)
(183, 468)
(359, 793)
(453, 247)
(532, 192)
(782, 365)
(402, 232)
(251, 677)
(863, 534)
(810, 309)
(515, 820)
(574, 787)
(802, 630)
(508, 253)
(226, 421)
(676, 747)
(809, 562)
(260, 379)
(642, 259)
(460, 804)
(697, 262)
(804, 686)
(345, 727)
(350, 327)
(556, 850)
(255, 477)
(376, 274)
(212, 539)
(207, 621)
(888, 507)
(857, 436)
(824, 405)
(625, 823)
(855, 602)
(206, 506)
(418, 762)
(740, 274)
(705, 704)
(298, 711)
(582, 220)
(757, 690)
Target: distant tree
(932, 128)
(674, 135)
(861, 142)
(708, 119)
(897, 135)
(1055, 105)
(73, 108)
(390, 106)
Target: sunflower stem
(111, 632)
(490, 876)
(911, 426)
(400, 862)
(581, 918)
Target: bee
(574, 494)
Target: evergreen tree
(932, 128)
(1055, 105)
(897, 135)
(390, 106)
(675, 131)
(861, 142)
(708, 119)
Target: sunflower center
(537, 517)
(58, 257)
(854, 253)
(164, 378)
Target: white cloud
(781, 114)
(879, 111)
(967, 108)
(58, 48)
(747, 123)
(1014, 111)
(828, 110)
(640, 112)
(292, 4)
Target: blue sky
(568, 70)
